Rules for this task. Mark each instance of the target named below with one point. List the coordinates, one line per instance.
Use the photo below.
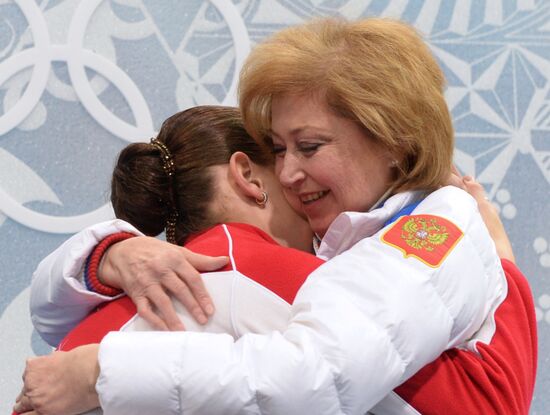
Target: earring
(263, 200)
(394, 163)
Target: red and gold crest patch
(428, 238)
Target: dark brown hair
(197, 138)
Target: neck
(292, 234)
(301, 240)
(382, 199)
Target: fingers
(455, 178)
(455, 171)
(146, 312)
(183, 294)
(486, 208)
(164, 306)
(457, 182)
(197, 262)
(23, 404)
(157, 308)
(491, 218)
(48, 379)
(475, 189)
(149, 271)
(204, 262)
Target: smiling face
(327, 164)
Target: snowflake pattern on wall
(63, 118)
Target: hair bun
(140, 189)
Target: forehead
(298, 104)
(292, 113)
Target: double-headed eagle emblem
(422, 233)
(428, 238)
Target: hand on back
(491, 218)
(150, 271)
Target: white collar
(350, 227)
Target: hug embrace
(351, 271)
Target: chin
(319, 225)
(319, 230)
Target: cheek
(293, 201)
(369, 186)
(278, 166)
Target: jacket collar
(350, 227)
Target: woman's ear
(245, 174)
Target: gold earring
(263, 200)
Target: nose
(289, 170)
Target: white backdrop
(79, 79)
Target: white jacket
(362, 324)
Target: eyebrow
(298, 130)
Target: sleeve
(361, 325)
(500, 380)
(59, 299)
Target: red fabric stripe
(111, 317)
(499, 381)
(260, 258)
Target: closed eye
(278, 150)
(309, 149)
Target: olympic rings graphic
(78, 59)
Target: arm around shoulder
(59, 298)
(362, 323)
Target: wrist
(106, 271)
(99, 274)
(87, 364)
(93, 397)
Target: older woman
(356, 117)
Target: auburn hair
(376, 72)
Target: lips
(312, 197)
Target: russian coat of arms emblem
(427, 238)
